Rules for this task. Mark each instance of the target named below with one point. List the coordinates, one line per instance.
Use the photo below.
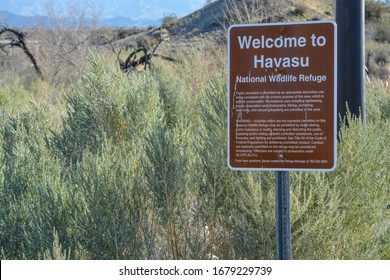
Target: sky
(134, 9)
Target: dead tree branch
(133, 60)
(17, 39)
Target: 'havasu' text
(261, 61)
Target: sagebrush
(134, 167)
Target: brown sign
(282, 96)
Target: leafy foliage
(134, 167)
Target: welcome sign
(282, 96)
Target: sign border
(334, 92)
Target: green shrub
(374, 10)
(3, 97)
(211, 174)
(137, 170)
(165, 169)
(31, 191)
(363, 172)
(105, 105)
(170, 91)
(106, 218)
(169, 21)
(377, 103)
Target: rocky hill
(218, 15)
(211, 23)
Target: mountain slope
(222, 13)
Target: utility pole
(350, 59)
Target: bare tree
(13, 38)
(67, 39)
(133, 60)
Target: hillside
(218, 15)
(211, 22)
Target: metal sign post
(283, 228)
(282, 105)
